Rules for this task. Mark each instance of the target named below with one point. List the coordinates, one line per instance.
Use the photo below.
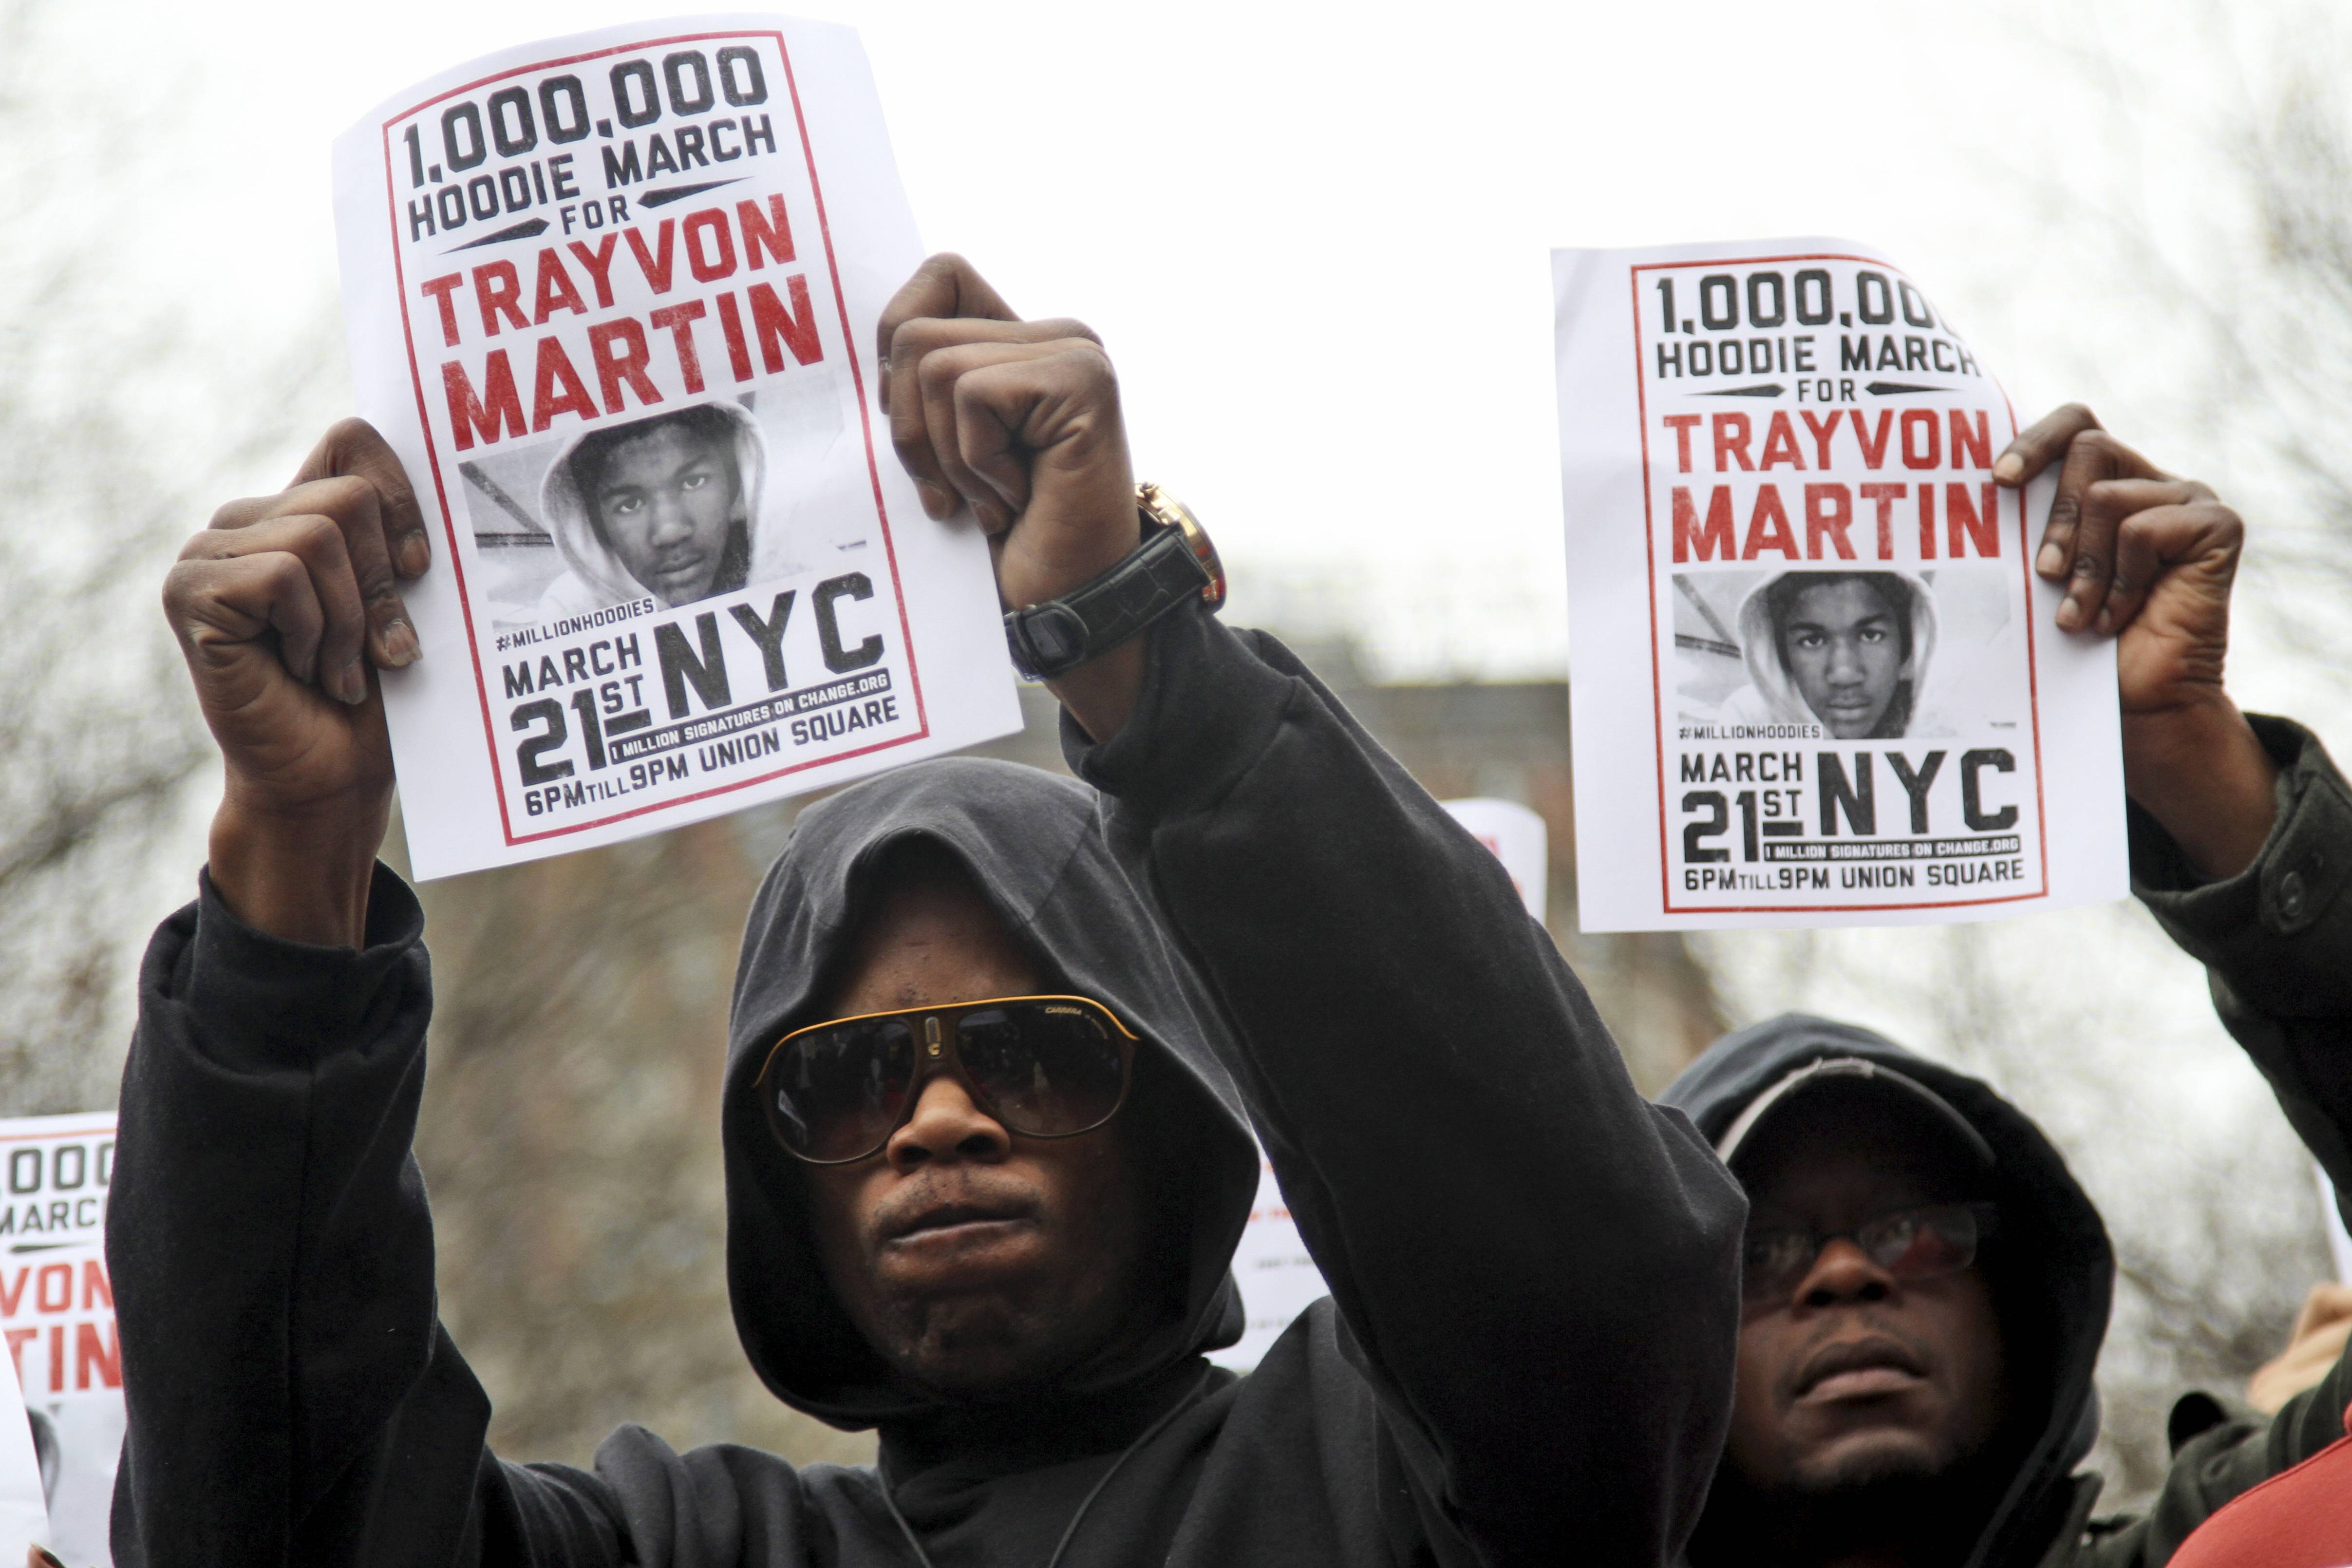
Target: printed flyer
(611, 299)
(56, 1312)
(1814, 679)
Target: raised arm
(2240, 828)
(291, 1396)
(2240, 847)
(1535, 1268)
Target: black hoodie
(2278, 942)
(2053, 1303)
(1526, 1354)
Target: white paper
(24, 1513)
(1915, 742)
(57, 1317)
(592, 233)
(1515, 835)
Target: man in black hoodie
(1295, 935)
(1926, 1285)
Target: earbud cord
(1126, 1454)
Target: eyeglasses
(1045, 1067)
(1911, 1243)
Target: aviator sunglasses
(1043, 1066)
(1911, 1243)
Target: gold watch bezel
(1165, 510)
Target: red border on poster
(440, 489)
(1657, 695)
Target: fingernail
(2070, 615)
(2009, 469)
(416, 555)
(937, 501)
(400, 649)
(351, 684)
(47, 1557)
(2051, 561)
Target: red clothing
(2300, 1518)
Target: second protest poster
(1815, 678)
(611, 299)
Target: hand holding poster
(1815, 679)
(612, 300)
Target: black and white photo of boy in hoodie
(999, 1043)
(663, 507)
(1847, 650)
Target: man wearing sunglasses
(998, 1043)
(1925, 1286)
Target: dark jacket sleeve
(291, 1396)
(2233, 1455)
(1536, 1270)
(2276, 942)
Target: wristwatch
(1175, 564)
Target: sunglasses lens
(1048, 1068)
(1923, 1242)
(835, 1093)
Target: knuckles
(1092, 361)
(351, 432)
(318, 538)
(182, 586)
(339, 496)
(235, 514)
(2099, 444)
(1062, 327)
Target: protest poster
(611, 299)
(1276, 1274)
(57, 1311)
(1814, 680)
(24, 1509)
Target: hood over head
(598, 576)
(1033, 845)
(2054, 1270)
(1768, 671)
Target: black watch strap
(1174, 565)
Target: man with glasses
(998, 1043)
(1925, 1286)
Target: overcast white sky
(1314, 236)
